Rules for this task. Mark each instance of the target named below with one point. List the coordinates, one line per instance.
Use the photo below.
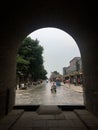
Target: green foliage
(30, 60)
(55, 72)
(22, 65)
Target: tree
(30, 60)
(42, 72)
(56, 73)
(22, 65)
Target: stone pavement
(66, 120)
(77, 88)
(41, 95)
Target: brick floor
(67, 120)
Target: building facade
(74, 71)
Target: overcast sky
(59, 48)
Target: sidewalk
(77, 88)
(31, 87)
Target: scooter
(53, 90)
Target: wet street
(41, 95)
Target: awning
(73, 74)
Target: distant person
(79, 81)
(74, 81)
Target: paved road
(42, 95)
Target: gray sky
(59, 48)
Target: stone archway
(21, 19)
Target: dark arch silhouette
(19, 19)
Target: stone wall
(75, 18)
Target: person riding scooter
(53, 87)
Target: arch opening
(62, 55)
